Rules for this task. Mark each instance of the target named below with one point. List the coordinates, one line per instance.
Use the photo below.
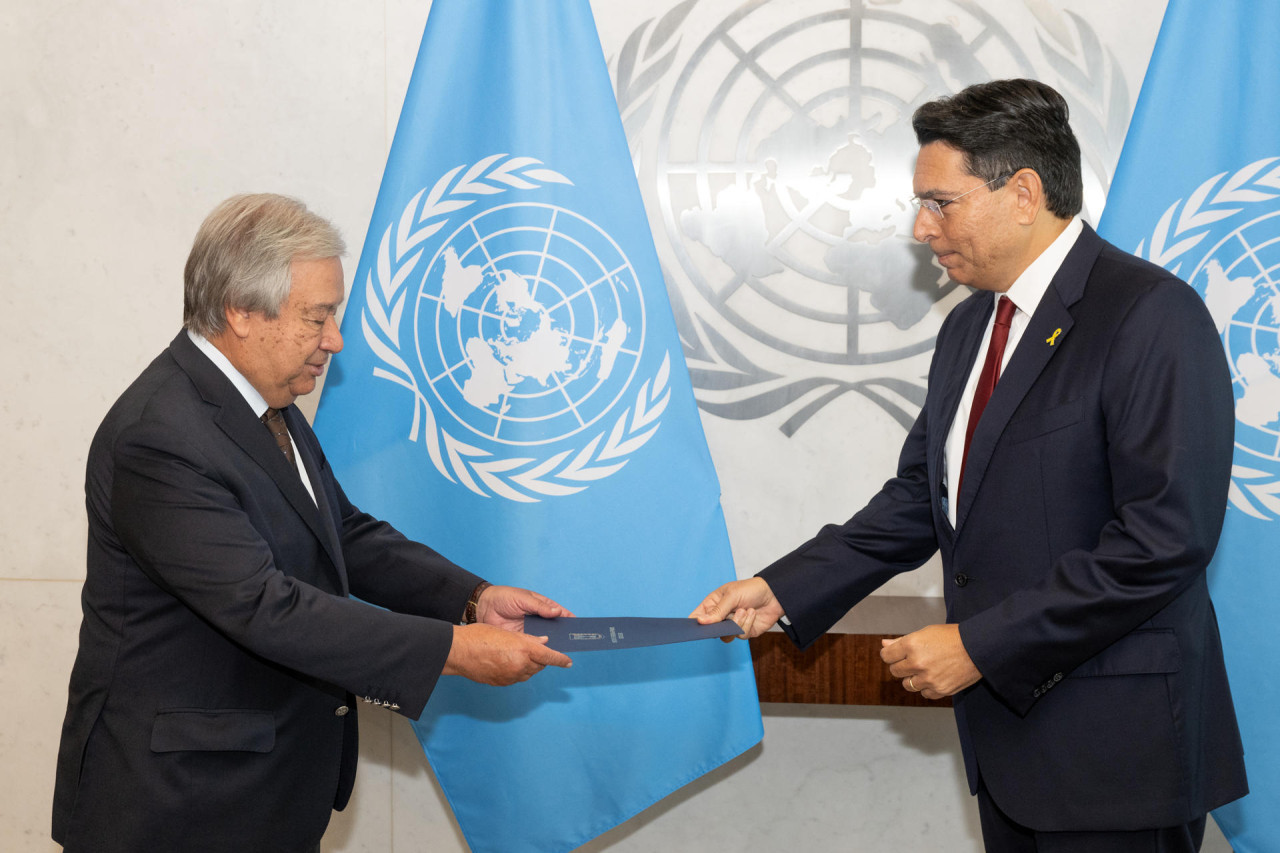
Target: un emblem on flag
(528, 328)
(530, 324)
(1227, 234)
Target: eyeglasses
(935, 207)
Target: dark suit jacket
(1094, 494)
(211, 702)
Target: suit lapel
(331, 540)
(958, 361)
(1050, 325)
(236, 419)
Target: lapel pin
(1052, 339)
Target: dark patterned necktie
(275, 422)
(989, 376)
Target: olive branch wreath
(1180, 229)
(525, 479)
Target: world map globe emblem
(1239, 278)
(529, 324)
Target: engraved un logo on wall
(783, 167)
(528, 326)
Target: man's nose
(926, 226)
(331, 341)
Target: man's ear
(1028, 192)
(238, 321)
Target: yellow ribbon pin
(1053, 338)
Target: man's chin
(962, 277)
(302, 386)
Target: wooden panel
(838, 669)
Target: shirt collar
(250, 394)
(1029, 288)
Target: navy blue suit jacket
(1093, 498)
(211, 702)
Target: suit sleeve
(188, 522)
(392, 571)
(1167, 407)
(386, 568)
(825, 577)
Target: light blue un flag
(1198, 192)
(513, 393)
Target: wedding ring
(911, 682)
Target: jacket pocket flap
(214, 731)
(1139, 653)
(1040, 423)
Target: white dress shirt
(1025, 294)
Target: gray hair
(242, 254)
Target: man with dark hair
(222, 647)
(1071, 463)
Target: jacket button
(961, 579)
(341, 711)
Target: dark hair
(1007, 125)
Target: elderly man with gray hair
(222, 646)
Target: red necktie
(989, 376)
